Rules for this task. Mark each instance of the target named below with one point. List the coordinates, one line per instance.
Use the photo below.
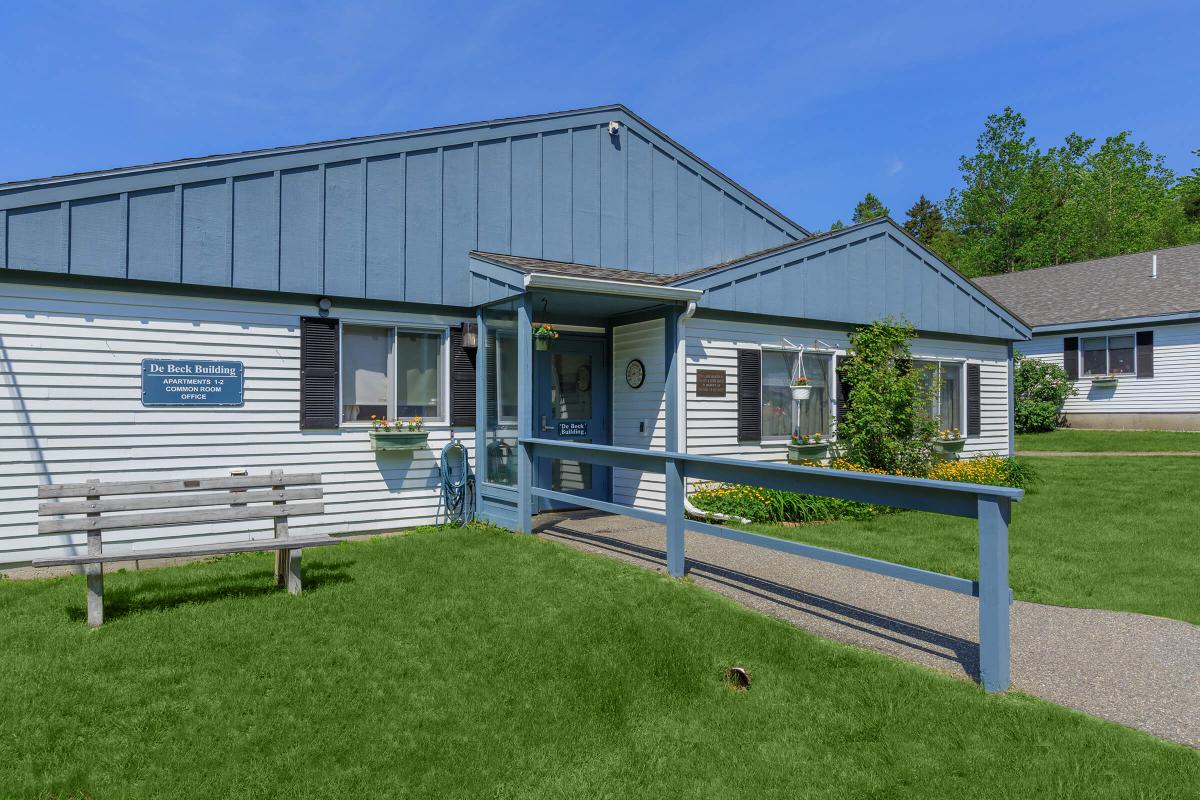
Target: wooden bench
(245, 497)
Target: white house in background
(386, 276)
(1126, 329)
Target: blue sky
(808, 105)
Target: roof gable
(857, 275)
(393, 217)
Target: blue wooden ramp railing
(990, 505)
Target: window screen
(418, 374)
(364, 372)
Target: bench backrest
(145, 504)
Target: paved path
(1133, 669)
(1108, 453)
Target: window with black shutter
(843, 389)
(974, 404)
(749, 396)
(318, 372)
(462, 381)
(1145, 354)
(1071, 356)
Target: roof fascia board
(1125, 322)
(874, 228)
(571, 283)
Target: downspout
(681, 359)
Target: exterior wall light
(470, 335)
(323, 306)
(614, 128)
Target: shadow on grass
(150, 592)
(791, 600)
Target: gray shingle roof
(1103, 289)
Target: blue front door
(572, 404)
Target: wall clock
(635, 373)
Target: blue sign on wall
(185, 382)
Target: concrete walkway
(1136, 670)
(1107, 453)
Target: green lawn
(474, 663)
(1117, 533)
(1071, 440)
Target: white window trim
(961, 363)
(831, 401)
(1107, 337)
(442, 418)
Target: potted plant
(801, 388)
(1105, 380)
(543, 335)
(398, 434)
(807, 447)
(950, 440)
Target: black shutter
(974, 412)
(1145, 354)
(1071, 356)
(749, 395)
(318, 372)
(843, 389)
(493, 401)
(462, 381)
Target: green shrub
(988, 470)
(771, 505)
(1040, 389)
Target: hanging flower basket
(801, 389)
(398, 434)
(543, 335)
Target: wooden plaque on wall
(710, 383)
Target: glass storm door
(571, 381)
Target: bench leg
(95, 594)
(280, 568)
(293, 570)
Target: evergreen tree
(869, 207)
(924, 221)
(837, 225)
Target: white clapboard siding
(1175, 387)
(70, 411)
(632, 407)
(713, 344)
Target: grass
(1078, 440)
(1115, 533)
(472, 663)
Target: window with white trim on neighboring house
(390, 372)
(1108, 355)
(781, 415)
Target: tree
(1040, 390)
(924, 221)
(869, 207)
(837, 225)
(888, 424)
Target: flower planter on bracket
(1104, 382)
(798, 451)
(950, 445)
(801, 392)
(399, 440)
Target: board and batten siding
(393, 218)
(70, 411)
(1175, 387)
(713, 344)
(633, 407)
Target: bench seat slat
(176, 485)
(118, 522)
(294, 543)
(56, 508)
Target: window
(1108, 355)
(781, 415)
(389, 372)
(947, 404)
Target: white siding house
(1125, 329)
(386, 276)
